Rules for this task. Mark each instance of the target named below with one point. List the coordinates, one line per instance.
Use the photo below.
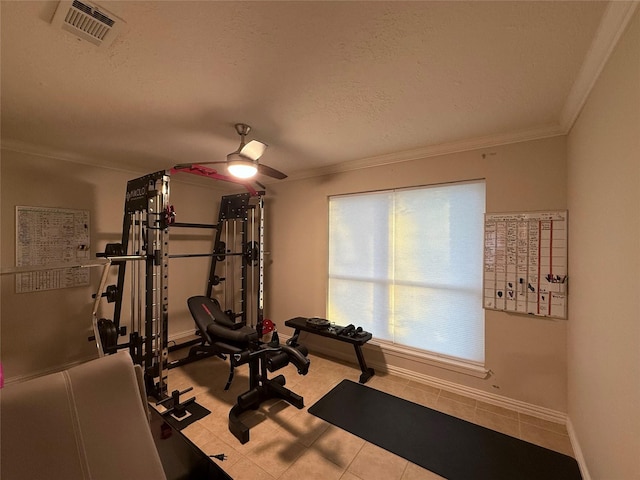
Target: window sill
(474, 369)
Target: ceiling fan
(243, 163)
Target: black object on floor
(181, 459)
(446, 445)
(194, 412)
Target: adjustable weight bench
(243, 345)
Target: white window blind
(406, 265)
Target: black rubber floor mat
(446, 445)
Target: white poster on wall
(46, 236)
(525, 263)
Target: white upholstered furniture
(89, 422)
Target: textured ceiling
(323, 83)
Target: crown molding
(612, 26)
(66, 156)
(489, 141)
(545, 131)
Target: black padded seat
(216, 325)
(241, 336)
(244, 346)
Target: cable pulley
(251, 253)
(221, 250)
(108, 335)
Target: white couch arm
(88, 422)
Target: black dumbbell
(348, 331)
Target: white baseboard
(488, 397)
(182, 336)
(22, 378)
(577, 451)
(47, 371)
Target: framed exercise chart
(46, 236)
(525, 263)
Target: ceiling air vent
(87, 21)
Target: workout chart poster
(46, 236)
(525, 263)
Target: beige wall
(526, 354)
(42, 331)
(604, 244)
(45, 330)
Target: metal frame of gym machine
(148, 217)
(145, 240)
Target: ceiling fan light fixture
(254, 149)
(240, 166)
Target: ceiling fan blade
(253, 150)
(189, 165)
(270, 172)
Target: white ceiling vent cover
(87, 21)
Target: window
(406, 265)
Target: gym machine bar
(147, 215)
(156, 288)
(237, 222)
(194, 225)
(101, 287)
(189, 255)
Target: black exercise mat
(451, 447)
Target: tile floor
(287, 443)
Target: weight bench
(243, 345)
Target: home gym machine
(148, 217)
(145, 242)
(236, 281)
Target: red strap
(212, 173)
(208, 312)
